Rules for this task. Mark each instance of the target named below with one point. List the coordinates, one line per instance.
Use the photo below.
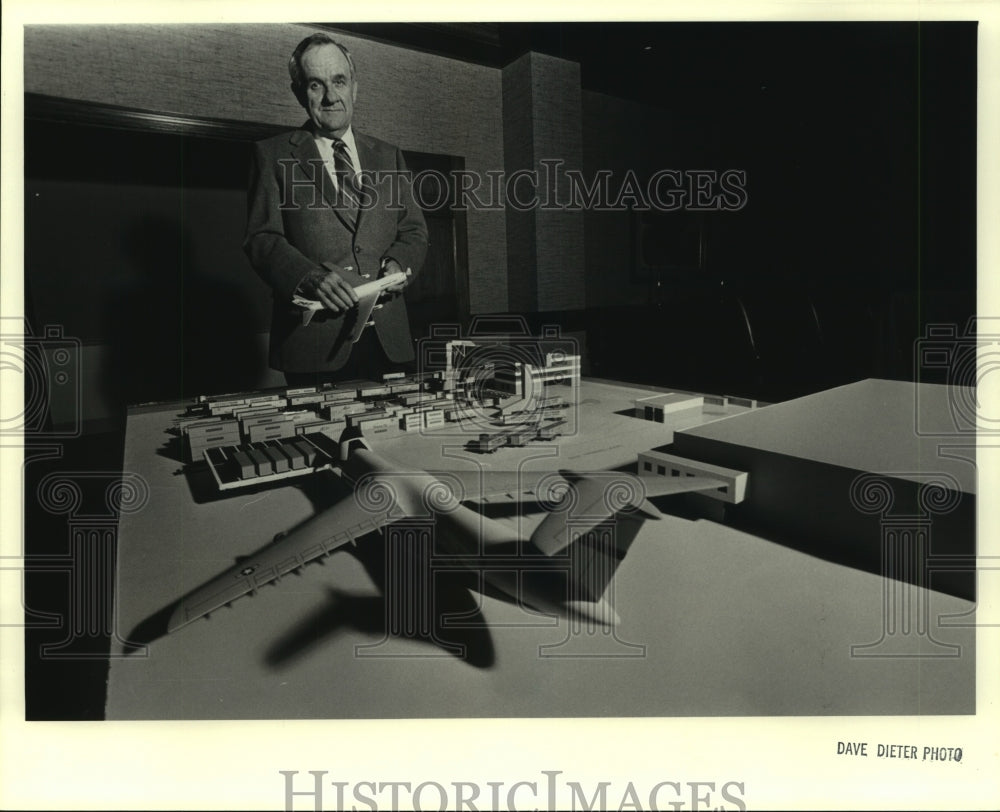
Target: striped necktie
(344, 170)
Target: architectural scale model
(563, 566)
(385, 492)
(654, 407)
(252, 438)
(659, 464)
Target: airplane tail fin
(351, 439)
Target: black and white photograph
(499, 410)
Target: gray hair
(295, 62)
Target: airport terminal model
(253, 438)
(551, 570)
(262, 437)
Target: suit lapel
(311, 162)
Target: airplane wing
(309, 308)
(501, 487)
(489, 485)
(594, 559)
(368, 294)
(366, 304)
(597, 497)
(320, 535)
(591, 532)
(505, 486)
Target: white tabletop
(713, 621)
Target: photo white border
(784, 762)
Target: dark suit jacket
(295, 222)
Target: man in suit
(328, 209)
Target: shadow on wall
(175, 327)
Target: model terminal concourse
(254, 438)
(565, 565)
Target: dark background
(859, 145)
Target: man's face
(329, 89)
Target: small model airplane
(561, 568)
(368, 294)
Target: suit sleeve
(277, 261)
(410, 245)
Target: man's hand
(390, 266)
(329, 288)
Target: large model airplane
(561, 568)
(368, 294)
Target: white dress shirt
(325, 147)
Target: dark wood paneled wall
(420, 101)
